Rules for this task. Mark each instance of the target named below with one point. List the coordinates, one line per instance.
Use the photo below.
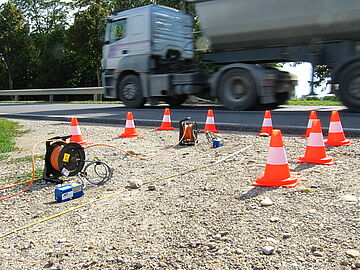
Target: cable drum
(66, 159)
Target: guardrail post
(16, 98)
(97, 97)
(51, 98)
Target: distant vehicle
(148, 53)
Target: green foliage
(8, 130)
(84, 46)
(314, 102)
(52, 43)
(15, 61)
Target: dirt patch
(210, 218)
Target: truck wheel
(177, 100)
(349, 90)
(130, 91)
(237, 90)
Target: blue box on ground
(68, 192)
(218, 143)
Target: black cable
(104, 175)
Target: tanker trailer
(322, 32)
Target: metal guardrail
(96, 91)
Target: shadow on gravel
(256, 191)
(303, 166)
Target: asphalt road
(290, 119)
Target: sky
(303, 73)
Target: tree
(83, 44)
(14, 45)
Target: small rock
(62, 240)
(110, 260)
(286, 235)
(316, 248)
(318, 253)
(163, 264)
(349, 198)
(134, 184)
(152, 187)
(272, 240)
(266, 202)
(49, 264)
(220, 252)
(223, 233)
(312, 211)
(352, 253)
(274, 219)
(305, 190)
(264, 134)
(139, 265)
(211, 246)
(239, 251)
(357, 264)
(217, 236)
(268, 250)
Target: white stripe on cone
(277, 156)
(130, 124)
(335, 127)
(75, 130)
(267, 122)
(310, 123)
(210, 120)
(316, 139)
(166, 118)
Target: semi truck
(148, 55)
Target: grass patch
(26, 159)
(15, 178)
(314, 102)
(28, 175)
(8, 131)
(4, 157)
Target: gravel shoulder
(210, 218)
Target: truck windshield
(117, 30)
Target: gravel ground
(210, 218)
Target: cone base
(263, 181)
(213, 131)
(165, 128)
(83, 143)
(323, 161)
(125, 135)
(345, 142)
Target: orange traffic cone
(267, 124)
(311, 119)
(315, 149)
(129, 127)
(336, 136)
(166, 121)
(76, 135)
(277, 172)
(210, 123)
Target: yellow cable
(120, 192)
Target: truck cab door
(117, 43)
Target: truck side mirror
(102, 27)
